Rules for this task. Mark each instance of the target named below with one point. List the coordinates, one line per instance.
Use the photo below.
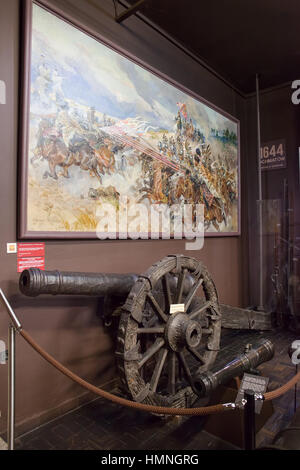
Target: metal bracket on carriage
(142, 394)
(135, 299)
(212, 316)
(132, 354)
(143, 276)
(212, 347)
(179, 259)
(190, 263)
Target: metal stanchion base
(229, 426)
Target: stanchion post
(249, 420)
(260, 215)
(11, 388)
(13, 327)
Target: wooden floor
(104, 425)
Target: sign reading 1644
(272, 155)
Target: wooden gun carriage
(169, 329)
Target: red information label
(26, 250)
(32, 262)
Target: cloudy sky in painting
(94, 75)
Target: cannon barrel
(208, 381)
(34, 281)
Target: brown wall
(69, 327)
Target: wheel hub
(182, 332)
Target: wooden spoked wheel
(158, 352)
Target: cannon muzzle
(34, 281)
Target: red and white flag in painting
(182, 109)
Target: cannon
(169, 328)
(208, 381)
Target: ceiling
(236, 38)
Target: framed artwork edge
(23, 138)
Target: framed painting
(99, 127)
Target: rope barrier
(119, 400)
(202, 411)
(283, 389)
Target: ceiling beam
(126, 14)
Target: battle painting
(102, 127)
